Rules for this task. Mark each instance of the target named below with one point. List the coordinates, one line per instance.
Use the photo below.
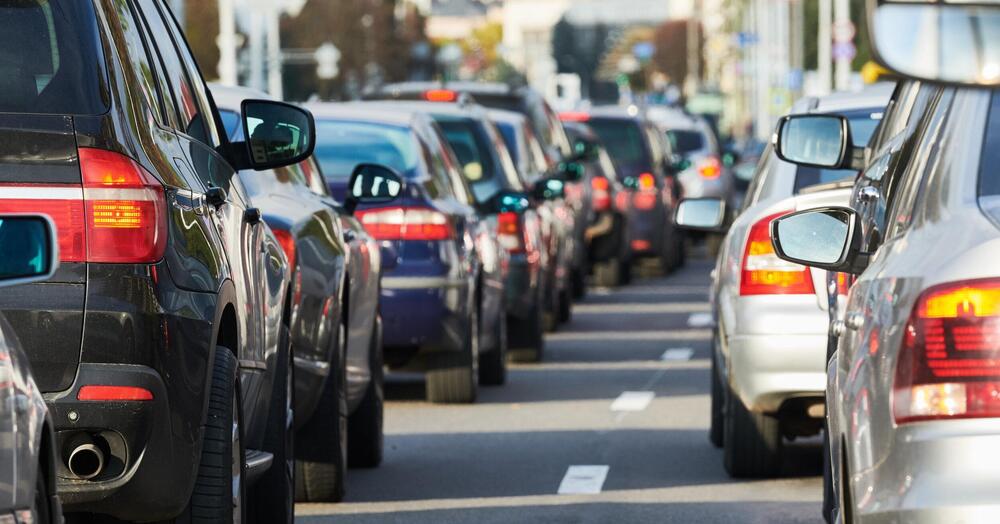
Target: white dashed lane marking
(583, 480)
(677, 354)
(632, 401)
(700, 320)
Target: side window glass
(456, 181)
(314, 177)
(195, 80)
(431, 182)
(169, 108)
(190, 120)
(140, 59)
(757, 182)
(536, 153)
(989, 177)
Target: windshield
(623, 140)
(472, 150)
(685, 141)
(342, 145)
(50, 58)
(862, 124)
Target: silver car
(914, 385)
(27, 462)
(772, 323)
(702, 172)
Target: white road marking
(601, 291)
(632, 401)
(617, 337)
(639, 308)
(699, 320)
(585, 480)
(677, 354)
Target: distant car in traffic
(643, 160)
(160, 342)
(334, 324)
(701, 170)
(30, 254)
(441, 298)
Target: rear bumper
(941, 471)
(766, 370)
(427, 312)
(606, 238)
(647, 232)
(696, 186)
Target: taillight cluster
(601, 193)
(763, 273)
(510, 232)
(406, 223)
(949, 362)
(119, 216)
(646, 196)
(710, 168)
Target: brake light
(287, 242)
(601, 193)
(62, 203)
(114, 393)
(440, 95)
(647, 182)
(510, 232)
(574, 116)
(406, 223)
(710, 168)
(949, 363)
(763, 273)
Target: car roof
(506, 117)
(622, 112)
(487, 88)
(675, 118)
(231, 97)
(416, 106)
(875, 95)
(363, 112)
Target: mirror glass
(818, 237)
(701, 213)
(26, 244)
(940, 42)
(817, 140)
(279, 134)
(550, 188)
(372, 183)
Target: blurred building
(457, 19)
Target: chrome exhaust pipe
(84, 458)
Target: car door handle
(869, 194)
(350, 236)
(216, 196)
(21, 404)
(854, 321)
(252, 216)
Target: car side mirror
(509, 202)
(678, 163)
(822, 141)
(278, 135)
(29, 247)
(549, 188)
(943, 42)
(571, 171)
(701, 214)
(372, 184)
(826, 238)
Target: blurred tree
(671, 50)
(201, 28)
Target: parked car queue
(898, 243)
(227, 277)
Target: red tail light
(763, 273)
(647, 182)
(125, 209)
(601, 193)
(287, 242)
(510, 232)
(949, 363)
(406, 223)
(63, 203)
(114, 393)
(574, 116)
(710, 168)
(440, 95)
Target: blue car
(442, 284)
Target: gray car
(914, 383)
(27, 462)
(771, 336)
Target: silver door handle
(854, 321)
(837, 328)
(869, 194)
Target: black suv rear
(159, 343)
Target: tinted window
(623, 140)
(686, 142)
(509, 133)
(472, 150)
(341, 146)
(989, 175)
(50, 58)
(863, 124)
(233, 123)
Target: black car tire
(624, 272)
(579, 283)
(829, 497)
(717, 423)
(455, 380)
(493, 364)
(527, 337)
(752, 441)
(274, 493)
(41, 509)
(365, 437)
(324, 481)
(608, 273)
(223, 457)
(565, 306)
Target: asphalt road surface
(510, 457)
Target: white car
(772, 323)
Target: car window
(342, 145)
(862, 124)
(459, 185)
(141, 59)
(168, 110)
(623, 140)
(536, 153)
(758, 182)
(189, 114)
(654, 144)
(51, 59)
(232, 123)
(905, 200)
(472, 148)
(989, 175)
(314, 177)
(686, 141)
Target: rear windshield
(472, 149)
(341, 146)
(622, 138)
(51, 60)
(686, 142)
(863, 124)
